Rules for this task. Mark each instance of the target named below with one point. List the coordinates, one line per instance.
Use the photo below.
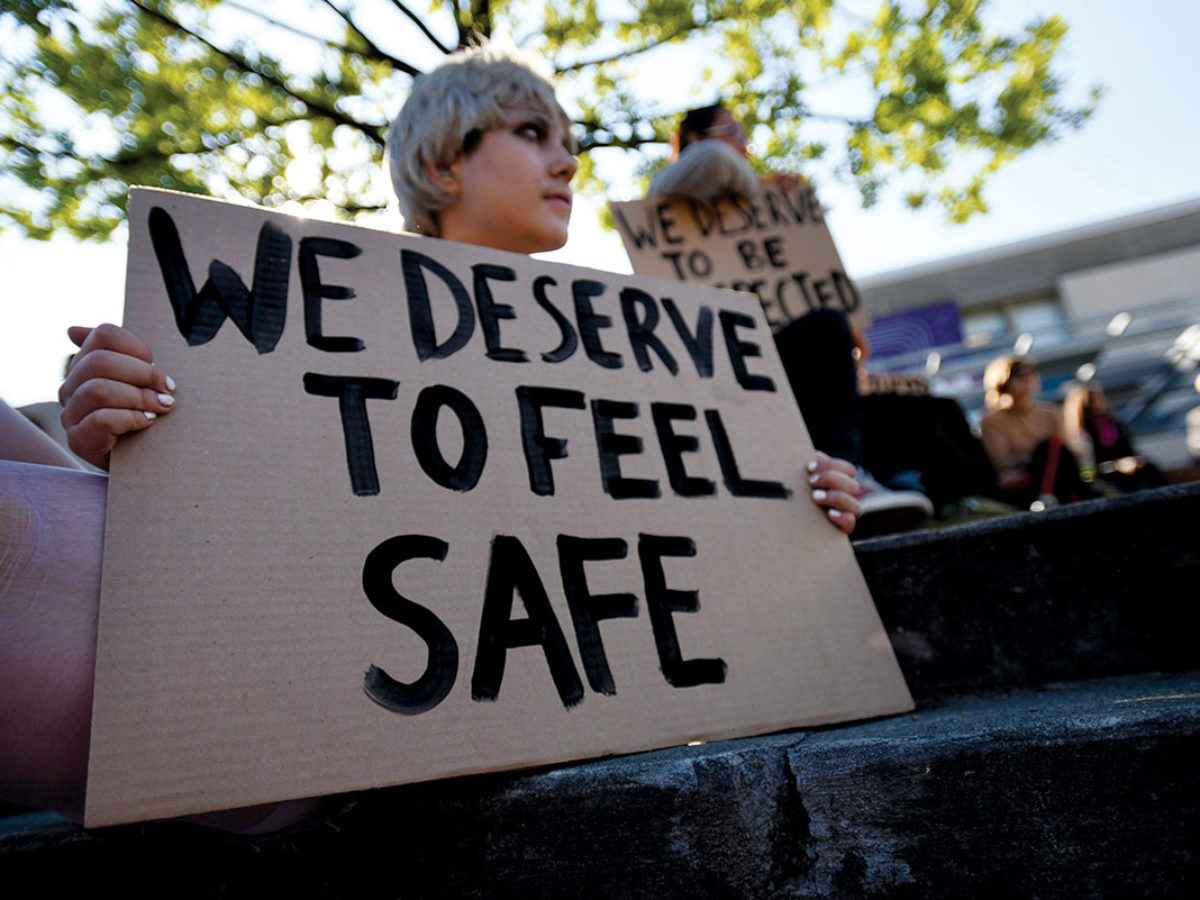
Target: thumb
(78, 334)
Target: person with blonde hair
(1024, 438)
(482, 154)
(475, 95)
(820, 351)
(708, 158)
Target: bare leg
(51, 539)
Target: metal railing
(1138, 355)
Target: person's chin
(542, 241)
(555, 235)
(551, 243)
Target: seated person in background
(1094, 432)
(481, 153)
(708, 154)
(906, 429)
(1024, 438)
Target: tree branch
(481, 17)
(588, 143)
(125, 159)
(591, 142)
(375, 52)
(420, 23)
(355, 208)
(121, 160)
(10, 143)
(292, 29)
(245, 65)
(461, 11)
(694, 25)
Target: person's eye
(535, 131)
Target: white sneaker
(885, 511)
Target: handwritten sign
(424, 509)
(775, 245)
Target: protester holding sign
(818, 347)
(715, 161)
(480, 154)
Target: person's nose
(563, 165)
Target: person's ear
(445, 178)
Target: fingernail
(812, 466)
(834, 513)
(814, 478)
(150, 415)
(170, 384)
(166, 399)
(819, 494)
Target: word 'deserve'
(670, 220)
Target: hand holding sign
(112, 388)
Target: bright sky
(1137, 152)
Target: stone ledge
(1081, 790)
(1092, 590)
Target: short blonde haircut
(445, 115)
(705, 170)
(996, 379)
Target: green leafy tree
(288, 102)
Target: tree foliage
(287, 102)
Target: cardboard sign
(424, 509)
(774, 245)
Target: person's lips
(560, 197)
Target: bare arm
(22, 441)
(51, 539)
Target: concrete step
(1107, 587)
(1084, 790)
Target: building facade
(1115, 301)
